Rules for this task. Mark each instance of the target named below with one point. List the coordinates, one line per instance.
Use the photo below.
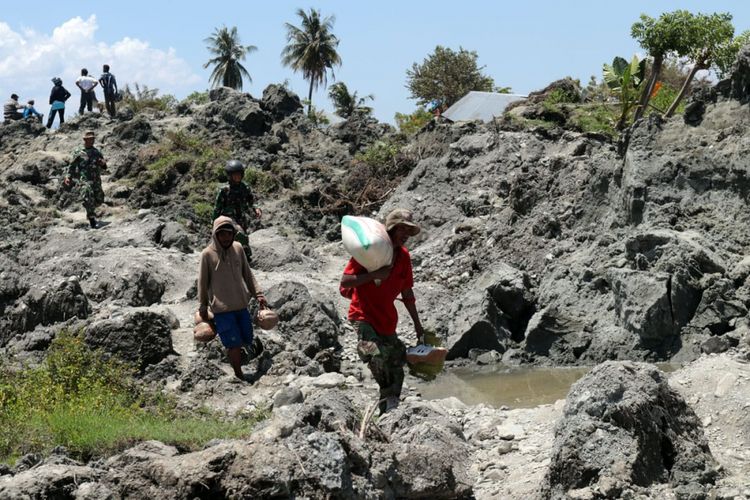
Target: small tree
(446, 76)
(725, 58)
(346, 103)
(710, 37)
(624, 79)
(410, 124)
(669, 34)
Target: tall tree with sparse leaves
(224, 44)
(711, 36)
(311, 49)
(670, 34)
(446, 76)
(347, 103)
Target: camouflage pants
(385, 356)
(91, 195)
(243, 240)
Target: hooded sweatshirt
(225, 281)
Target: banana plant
(624, 79)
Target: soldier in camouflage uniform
(84, 169)
(236, 201)
(374, 314)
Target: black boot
(92, 222)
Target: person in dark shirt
(57, 98)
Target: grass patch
(93, 406)
(596, 118)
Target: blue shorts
(234, 328)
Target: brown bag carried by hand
(204, 331)
(266, 318)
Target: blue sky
(524, 45)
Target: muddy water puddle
(513, 387)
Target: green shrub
(80, 399)
(598, 118)
(196, 98)
(141, 98)
(412, 123)
(560, 96)
(381, 153)
(663, 98)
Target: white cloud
(29, 60)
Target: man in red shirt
(373, 311)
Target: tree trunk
(309, 98)
(683, 90)
(646, 95)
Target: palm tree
(228, 71)
(311, 49)
(346, 103)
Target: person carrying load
(373, 312)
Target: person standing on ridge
(109, 87)
(57, 98)
(85, 170)
(235, 200)
(373, 312)
(226, 284)
(87, 84)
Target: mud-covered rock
(622, 422)
(305, 321)
(140, 336)
(280, 102)
(48, 481)
(137, 130)
(138, 284)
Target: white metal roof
(478, 105)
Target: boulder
(141, 337)
(136, 284)
(280, 102)
(740, 79)
(493, 315)
(643, 303)
(554, 334)
(48, 481)
(45, 307)
(622, 423)
(136, 130)
(307, 323)
(235, 109)
(174, 235)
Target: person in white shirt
(87, 84)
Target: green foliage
(381, 153)
(624, 80)
(263, 182)
(316, 116)
(446, 76)
(412, 123)
(670, 33)
(346, 103)
(311, 49)
(80, 399)
(726, 56)
(503, 90)
(561, 96)
(663, 98)
(141, 98)
(596, 91)
(224, 44)
(597, 118)
(196, 98)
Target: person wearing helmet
(236, 201)
(57, 99)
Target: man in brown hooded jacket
(226, 285)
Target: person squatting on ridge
(57, 98)
(84, 169)
(87, 84)
(12, 110)
(30, 112)
(226, 284)
(235, 200)
(109, 87)
(373, 312)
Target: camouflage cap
(403, 217)
(89, 135)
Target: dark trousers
(87, 101)
(51, 118)
(109, 102)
